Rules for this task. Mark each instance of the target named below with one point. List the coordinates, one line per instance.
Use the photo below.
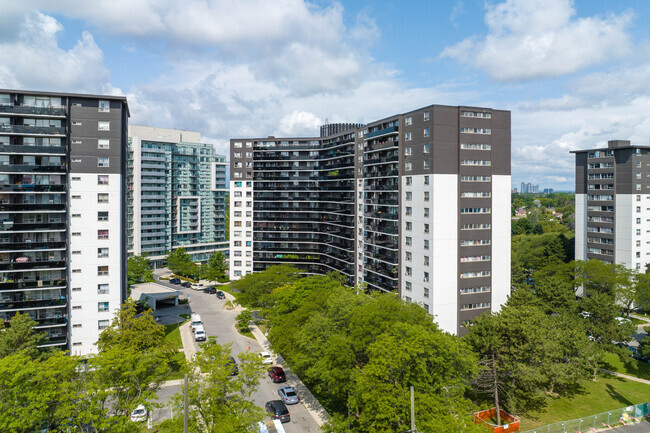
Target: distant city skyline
(571, 72)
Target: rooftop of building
(614, 145)
(66, 94)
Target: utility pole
(186, 409)
(413, 411)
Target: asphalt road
(221, 324)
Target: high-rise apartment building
(62, 212)
(529, 188)
(416, 203)
(612, 201)
(176, 194)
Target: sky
(574, 74)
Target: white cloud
(299, 123)
(530, 39)
(37, 62)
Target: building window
(426, 212)
(409, 136)
(426, 244)
(409, 211)
(102, 162)
(426, 195)
(409, 195)
(426, 228)
(426, 180)
(408, 166)
(77, 325)
(426, 132)
(427, 148)
(426, 115)
(76, 271)
(102, 216)
(409, 271)
(638, 209)
(102, 270)
(638, 175)
(102, 197)
(409, 226)
(76, 197)
(102, 234)
(638, 187)
(408, 121)
(408, 286)
(103, 324)
(426, 294)
(103, 144)
(102, 252)
(426, 277)
(426, 164)
(409, 180)
(409, 241)
(102, 289)
(408, 151)
(103, 125)
(104, 106)
(102, 306)
(638, 243)
(638, 220)
(76, 307)
(102, 179)
(426, 260)
(409, 256)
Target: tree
(20, 337)
(222, 402)
(216, 267)
(642, 291)
(255, 288)
(139, 270)
(180, 262)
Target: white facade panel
(136, 190)
(241, 222)
(626, 223)
(581, 226)
(86, 258)
(501, 234)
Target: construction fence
(599, 421)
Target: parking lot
(220, 323)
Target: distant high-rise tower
(416, 203)
(612, 201)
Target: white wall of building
(84, 258)
(501, 234)
(241, 226)
(581, 226)
(136, 189)
(625, 228)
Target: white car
(267, 358)
(197, 286)
(139, 414)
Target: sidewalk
(188, 341)
(626, 376)
(313, 406)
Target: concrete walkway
(313, 406)
(626, 376)
(188, 341)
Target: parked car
(139, 414)
(278, 410)
(210, 290)
(175, 281)
(233, 365)
(266, 358)
(195, 321)
(277, 374)
(635, 354)
(186, 284)
(288, 395)
(199, 333)
(221, 295)
(197, 286)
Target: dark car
(175, 281)
(186, 284)
(210, 290)
(277, 374)
(233, 365)
(220, 295)
(278, 410)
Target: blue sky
(573, 73)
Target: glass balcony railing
(38, 111)
(33, 130)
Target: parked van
(199, 333)
(196, 321)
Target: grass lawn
(607, 393)
(245, 332)
(641, 369)
(636, 321)
(173, 335)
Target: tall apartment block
(62, 212)
(416, 203)
(612, 204)
(176, 194)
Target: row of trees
(180, 263)
(360, 353)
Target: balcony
(32, 130)
(9, 305)
(31, 207)
(25, 168)
(27, 246)
(385, 131)
(34, 111)
(30, 187)
(24, 149)
(32, 265)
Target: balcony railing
(37, 111)
(24, 168)
(15, 207)
(33, 130)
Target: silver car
(288, 395)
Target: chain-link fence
(599, 421)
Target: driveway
(221, 324)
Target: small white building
(154, 294)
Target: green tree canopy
(255, 288)
(216, 267)
(139, 270)
(180, 262)
(20, 337)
